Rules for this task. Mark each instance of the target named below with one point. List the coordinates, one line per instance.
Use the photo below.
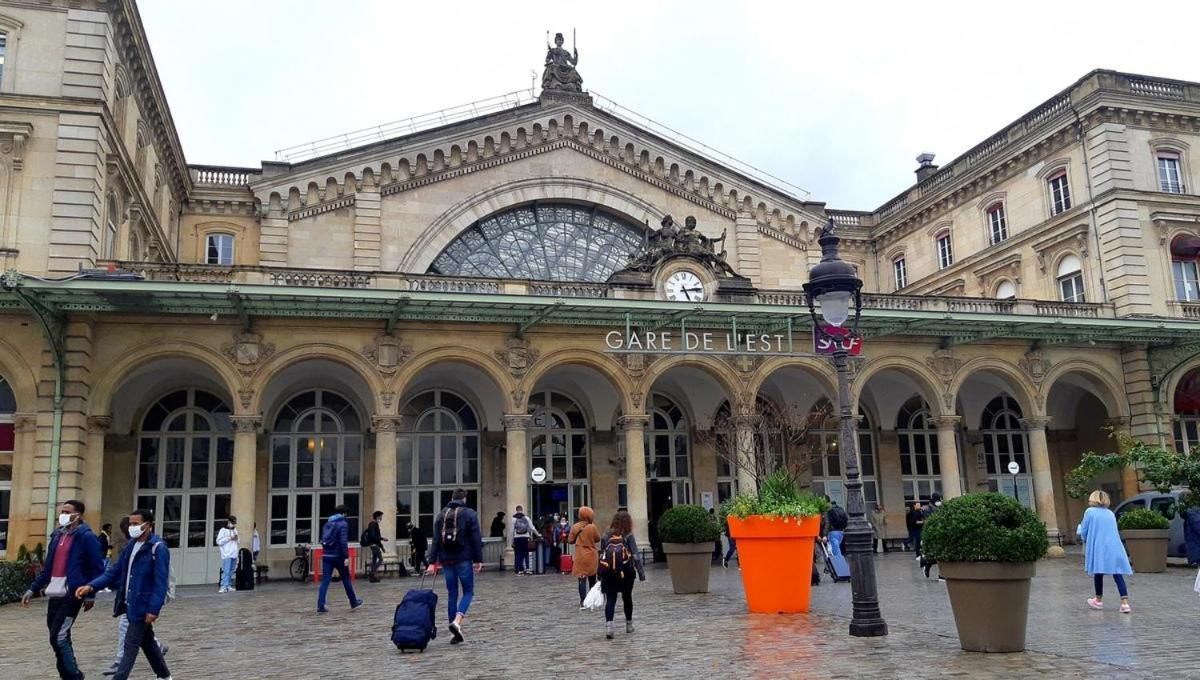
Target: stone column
(516, 471)
(1043, 483)
(634, 426)
(245, 470)
(1129, 479)
(948, 455)
(93, 468)
(21, 525)
(385, 475)
(745, 453)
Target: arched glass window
(825, 459)
(1007, 290)
(437, 453)
(1187, 412)
(185, 475)
(1185, 250)
(1004, 441)
(549, 242)
(316, 464)
(559, 444)
(667, 447)
(920, 468)
(1070, 279)
(8, 446)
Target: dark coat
(914, 519)
(148, 580)
(373, 535)
(339, 532)
(470, 547)
(85, 562)
(418, 539)
(1191, 534)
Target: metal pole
(859, 547)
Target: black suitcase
(243, 576)
(413, 621)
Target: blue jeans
(521, 553)
(228, 564)
(835, 542)
(1098, 580)
(459, 572)
(61, 613)
(140, 635)
(732, 548)
(328, 564)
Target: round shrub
(688, 524)
(1142, 518)
(984, 527)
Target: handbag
(595, 598)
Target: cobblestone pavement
(522, 626)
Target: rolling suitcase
(566, 563)
(413, 622)
(836, 565)
(243, 575)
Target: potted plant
(687, 533)
(775, 528)
(1146, 534)
(986, 545)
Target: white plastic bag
(595, 598)
(1197, 586)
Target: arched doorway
(438, 453)
(316, 464)
(1186, 423)
(667, 446)
(1004, 442)
(185, 474)
(559, 443)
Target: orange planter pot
(776, 557)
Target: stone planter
(689, 564)
(1147, 548)
(776, 557)
(990, 602)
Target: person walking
(879, 528)
(1191, 534)
(73, 559)
(227, 542)
(497, 528)
(619, 560)
(335, 540)
(935, 504)
(731, 551)
(119, 614)
(142, 575)
(255, 543)
(914, 519)
(418, 544)
(523, 533)
(458, 551)
(562, 535)
(1103, 551)
(838, 521)
(585, 537)
(106, 545)
(373, 539)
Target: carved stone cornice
(1074, 237)
(247, 423)
(1008, 266)
(517, 421)
(633, 421)
(99, 424)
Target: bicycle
(299, 568)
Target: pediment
(440, 154)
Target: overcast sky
(835, 97)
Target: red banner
(831, 339)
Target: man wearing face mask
(143, 575)
(73, 559)
(227, 541)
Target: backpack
(365, 539)
(328, 538)
(451, 540)
(170, 574)
(521, 525)
(838, 519)
(616, 558)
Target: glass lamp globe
(835, 307)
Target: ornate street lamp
(834, 284)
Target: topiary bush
(778, 496)
(1142, 518)
(984, 527)
(688, 524)
(15, 578)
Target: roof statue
(670, 241)
(560, 73)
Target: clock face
(684, 286)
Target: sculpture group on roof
(671, 241)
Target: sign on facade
(538, 475)
(831, 339)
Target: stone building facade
(380, 323)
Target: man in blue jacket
(74, 558)
(458, 549)
(141, 578)
(335, 540)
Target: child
(1104, 553)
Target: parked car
(1164, 503)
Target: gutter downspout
(53, 326)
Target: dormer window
(997, 223)
(945, 251)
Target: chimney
(926, 167)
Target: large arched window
(667, 448)
(8, 445)
(1187, 412)
(185, 475)
(542, 241)
(559, 444)
(1185, 250)
(1070, 279)
(316, 464)
(920, 467)
(825, 459)
(437, 453)
(1004, 442)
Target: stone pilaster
(93, 477)
(947, 439)
(516, 428)
(22, 526)
(385, 473)
(634, 426)
(245, 473)
(1043, 482)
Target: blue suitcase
(413, 623)
(836, 565)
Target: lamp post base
(869, 628)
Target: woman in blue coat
(1104, 553)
